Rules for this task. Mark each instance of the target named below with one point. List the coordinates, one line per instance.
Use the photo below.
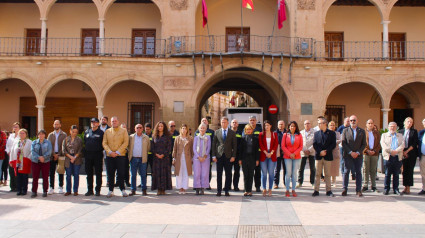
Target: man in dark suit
(224, 149)
(324, 143)
(353, 144)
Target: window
(140, 113)
(33, 41)
(334, 46)
(90, 42)
(335, 113)
(143, 42)
(397, 46)
(235, 42)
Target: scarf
(20, 156)
(203, 139)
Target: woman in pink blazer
(292, 144)
(269, 142)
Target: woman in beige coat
(182, 159)
(336, 155)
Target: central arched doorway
(261, 87)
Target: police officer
(236, 166)
(211, 134)
(93, 152)
(257, 171)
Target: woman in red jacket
(292, 144)
(268, 141)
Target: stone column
(99, 111)
(385, 39)
(40, 118)
(43, 39)
(101, 36)
(385, 118)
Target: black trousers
(224, 163)
(248, 168)
(280, 165)
(236, 173)
(312, 164)
(94, 163)
(150, 164)
(12, 182)
(408, 168)
(53, 165)
(4, 167)
(118, 165)
(22, 183)
(257, 176)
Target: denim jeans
(72, 170)
(292, 166)
(267, 166)
(357, 165)
(136, 165)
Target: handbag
(61, 165)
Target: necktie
(224, 135)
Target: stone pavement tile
(205, 236)
(43, 225)
(140, 228)
(85, 226)
(280, 212)
(95, 234)
(9, 232)
(45, 233)
(149, 235)
(227, 230)
(190, 229)
(254, 212)
(8, 223)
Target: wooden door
(397, 46)
(143, 42)
(90, 42)
(32, 41)
(234, 39)
(140, 113)
(335, 113)
(334, 46)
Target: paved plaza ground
(174, 215)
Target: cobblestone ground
(175, 215)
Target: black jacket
(93, 140)
(243, 152)
(328, 143)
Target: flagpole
(241, 18)
(275, 16)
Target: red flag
(204, 13)
(281, 13)
(248, 4)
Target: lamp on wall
(388, 68)
(99, 63)
(39, 63)
(306, 67)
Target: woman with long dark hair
(269, 142)
(161, 149)
(292, 144)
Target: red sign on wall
(273, 109)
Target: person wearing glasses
(353, 143)
(41, 152)
(139, 146)
(307, 154)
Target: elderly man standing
(392, 144)
(139, 146)
(56, 137)
(371, 155)
(353, 143)
(115, 142)
(307, 154)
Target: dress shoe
(227, 194)
(396, 192)
(76, 194)
(237, 189)
(386, 192)
(24, 193)
(364, 189)
(132, 193)
(97, 194)
(422, 192)
(258, 190)
(353, 177)
(218, 194)
(67, 194)
(89, 193)
(287, 194)
(144, 193)
(197, 191)
(359, 194)
(330, 194)
(18, 193)
(245, 194)
(374, 190)
(139, 186)
(202, 191)
(33, 195)
(44, 195)
(315, 194)
(344, 193)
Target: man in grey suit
(224, 148)
(353, 144)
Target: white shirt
(9, 142)
(137, 149)
(268, 140)
(103, 128)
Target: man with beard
(56, 137)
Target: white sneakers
(51, 191)
(110, 194)
(124, 194)
(60, 190)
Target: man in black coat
(324, 143)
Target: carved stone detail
(386, 1)
(178, 4)
(177, 83)
(306, 4)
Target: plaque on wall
(306, 4)
(306, 108)
(178, 4)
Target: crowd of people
(261, 153)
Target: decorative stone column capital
(41, 107)
(385, 109)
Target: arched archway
(262, 87)
(407, 101)
(132, 102)
(18, 101)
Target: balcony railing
(89, 46)
(369, 50)
(237, 44)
